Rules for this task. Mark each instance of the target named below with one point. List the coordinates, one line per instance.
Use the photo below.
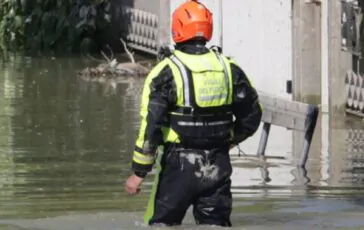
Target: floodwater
(66, 144)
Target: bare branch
(93, 58)
(106, 57)
(131, 57)
(112, 53)
(125, 70)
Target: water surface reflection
(65, 147)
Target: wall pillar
(339, 61)
(164, 22)
(306, 47)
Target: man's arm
(154, 111)
(246, 106)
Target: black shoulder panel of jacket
(164, 85)
(162, 94)
(246, 107)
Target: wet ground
(66, 144)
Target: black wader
(200, 178)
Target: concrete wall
(306, 51)
(339, 61)
(258, 34)
(144, 6)
(274, 42)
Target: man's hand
(132, 184)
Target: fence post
(263, 139)
(309, 131)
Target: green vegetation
(53, 25)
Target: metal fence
(142, 29)
(351, 18)
(354, 169)
(351, 41)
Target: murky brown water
(65, 150)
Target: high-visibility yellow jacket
(198, 100)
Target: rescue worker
(196, 105)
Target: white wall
(258, 34)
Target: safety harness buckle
(165, 51)
(216, 49)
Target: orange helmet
(190, 20)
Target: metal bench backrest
(290, 114)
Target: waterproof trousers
(196, 177)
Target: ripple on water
(66, 144)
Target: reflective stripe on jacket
(202, 115)
(218, 89)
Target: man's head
(191, 21)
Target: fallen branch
(105, 56)
(114, 69)
(131, 57)
(111, 52)
(95, 59)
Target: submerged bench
(292, 115)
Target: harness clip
(216, 49)
(165, 51)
